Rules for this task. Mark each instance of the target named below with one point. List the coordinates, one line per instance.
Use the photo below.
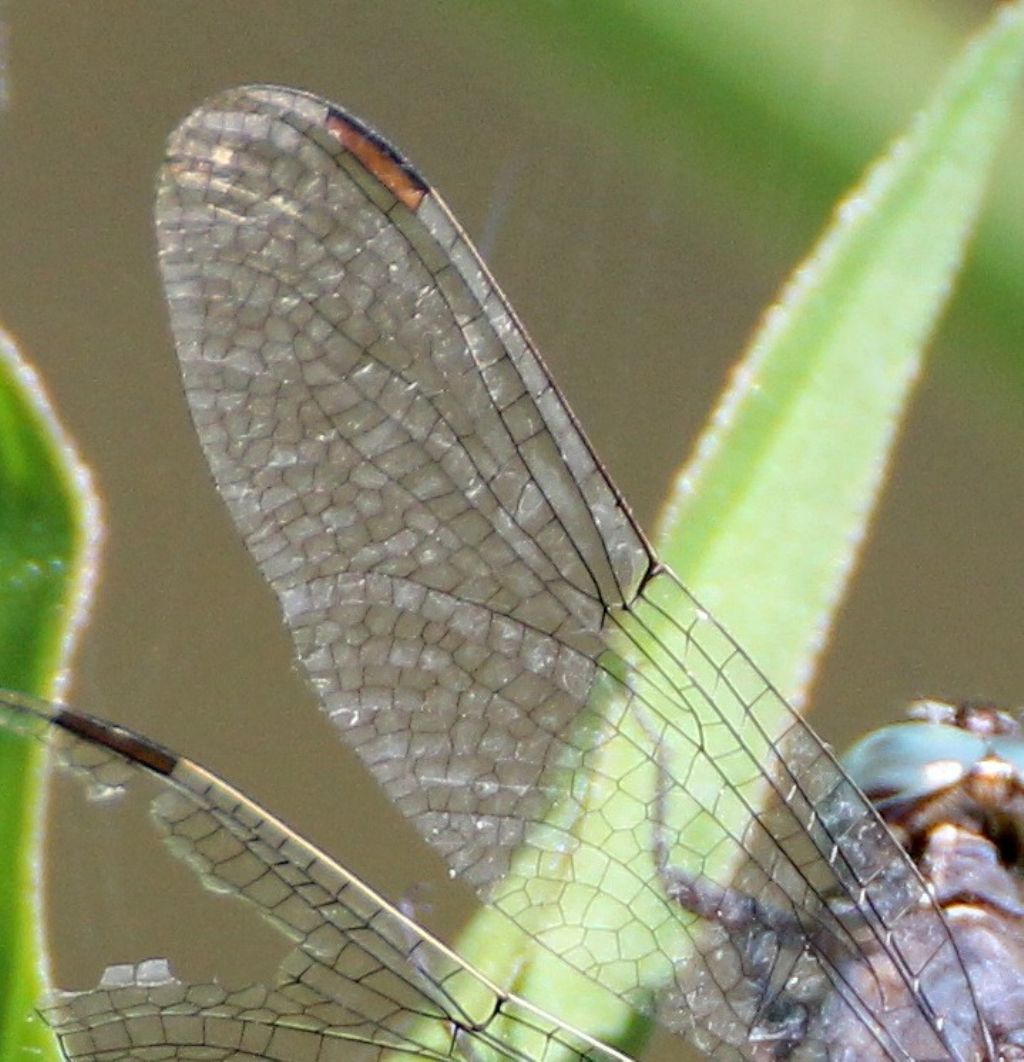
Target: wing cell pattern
(485, 624)
(361, 981)
(398, 462)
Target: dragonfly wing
(482, 619)
(440, 535)
(141, 1012)
(814, 928)
(362, 980)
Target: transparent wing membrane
(361, 980)
(442, 539)
(485, 624)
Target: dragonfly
(484, 622)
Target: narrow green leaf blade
(48, 538)
(763, 525)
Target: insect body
(484, 622)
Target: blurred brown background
(640, 282)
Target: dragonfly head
(957, 766)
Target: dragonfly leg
(769, 942)
(729, 908)
(733, 910)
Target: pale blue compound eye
(908, 761)
(911, 761)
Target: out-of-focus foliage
(793, 94)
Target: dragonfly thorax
(950, 784)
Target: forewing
(361, 981)
(484, 622)
(440, 535)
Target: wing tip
(385, 163)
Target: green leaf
(765, 522)
(48, 536)
(745, 97)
